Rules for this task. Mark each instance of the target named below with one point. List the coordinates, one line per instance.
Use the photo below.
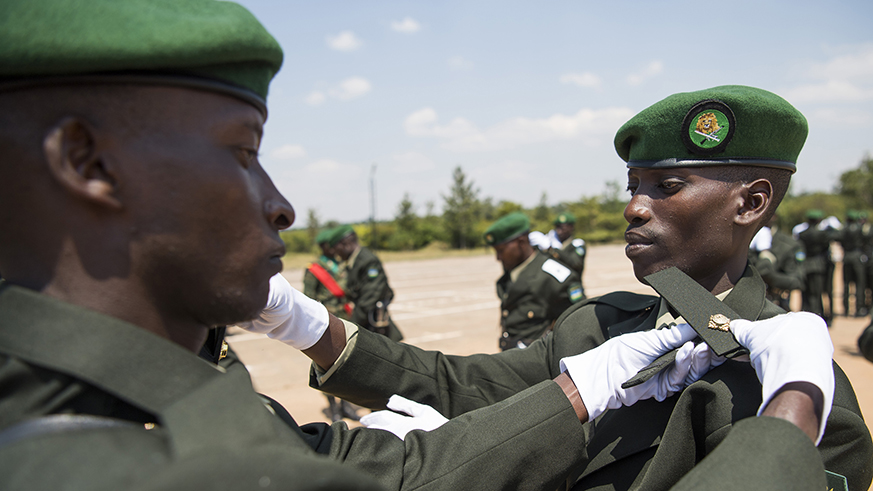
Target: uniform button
(530, 314)
(505, 313)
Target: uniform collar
(354, 256)
(516, 271)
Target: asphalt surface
(450, 305)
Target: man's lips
(636, 238)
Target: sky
(526, 97)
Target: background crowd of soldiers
(350, 281)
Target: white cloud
(315, 98)
(407, 26)
(588, 125)
(412, 162)
(847, 77)
(840, 118)
(351, 88)
(584, 79)
(288, 152)
(460, 63)
(348, 89)
(653, 69)
(344, 41)
(328, 168)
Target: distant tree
(541, 213)
(461, 210)
(613, 197)
(856, 185)
(406, 218)
(505, 208)
(312, 224)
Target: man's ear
(74, 159)
(757, 197)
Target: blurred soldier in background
(816, 240)
(366, 283)
(851, 237)
(324, 281)
(561, 243)
(534, 289)
(778, 258)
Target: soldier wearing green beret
(366, 283)
(534, 289)
(706, 170)
(851, 238)
(324, 281)
(134, 219)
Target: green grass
(296, 260)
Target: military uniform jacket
(648, 446)
(314, 289)
(572, 253)
(817, 243)
(779, 266)
(542, 292)
(212, 431)
(366, 284)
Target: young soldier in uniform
(534, 289)
(706, 170)
(366, 284)
(324, 281)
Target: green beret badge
(708, 127)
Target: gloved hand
(792, 347)
(290, 316)
(421, 417)
(599, 373)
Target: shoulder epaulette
(626, 301)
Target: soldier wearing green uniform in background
(778, 257)
(817, 266)
(851, 237)
(534, 289)
(571, 250)
(324, 281)
(366, 283)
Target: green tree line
(599, 219)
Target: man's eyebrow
(255, 126)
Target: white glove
(792, 347)
(290, 316)
(599, 373)
(421, 417)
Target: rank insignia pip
(720, 322)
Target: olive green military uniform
(851, 238)
(366, 286)
(816, 268)
(647, 446)
(780, 268)
(314, 289)
(531, 303)
(572, 253)
(210, 430)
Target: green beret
(203, 44)
(339, 234)
(323, 236)
(507, 228)
(727, 125)
(853, 214)
(565, 217)
(814, 214)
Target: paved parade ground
(450, 305)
